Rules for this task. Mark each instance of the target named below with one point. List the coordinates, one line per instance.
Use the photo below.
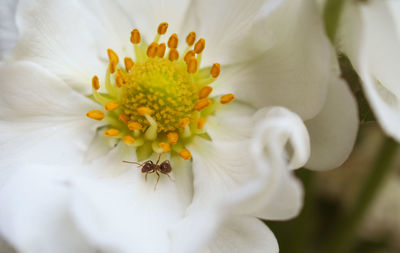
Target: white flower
(370, 35)
(71, 191)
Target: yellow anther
(119, 81)
(112, 132)
(173, 137)
(128, 140)
(192, 66)
(124, 118)
(112, 67)
(144, 110)
(173, 54)
(112, 56)
(191, 38)
(121, 74)
(173, 41)
(205, 91)
(202, 103)
(185, 154)
(184, 122)
(152, 50)
(135, 36)
(200, 123)
(128, 64)
(189, 55)
(199, 46)
(227, 98)
(95, 83)
(111, 106)
(161, 50)
(165, 146)
(95, 114)
(162, 28)
(134, 126)
(215, 70)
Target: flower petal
(39, 200)
(334, 130)
(292, 73)
(8, 27)
(362, 28)
(63, 37)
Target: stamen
(111, 106)
(185, 154)
(112, 56)
(128, 64)
(205, 91)
(225, 99)
(173, 137)
(162, 28)
(199, 46)
(135, 36)
(128, 140)
(173, 41)
(119, 81)
(215, 70)
(165, 146)
(189, 55)
(112, 66)
(191, 38)
(192, 66)
(95, 114)
(161, 50)
(200, 123)
(173, 54)
(202, 103)
(112, 132)
(152, 50)
(144, 111)
(124, 118)
(134, 126)
(184, 122)
(95, 83)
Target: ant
(149, 167)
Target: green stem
(345, 232)
(332, 12)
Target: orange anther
(189, 55)
(121, 74)
(161, 50)
(152, 50)
(134, 126)
(112, 56)
(124, 118)
(112, 132)
(119, 81)
(199, 46)
(128, 140)
(135, 36)
(200, 123)
(144, 110)
(95, 83)
(128, 64)
(173, 41)
(185, 154)
(112, 67)
(173, 137)
(95, 114)
(205, 91)
(215, 70)
(191, 38)
(227, 98)
(202, 103)
(192, 66)
(184, 122)
(165, 146)
(162, 28)
(173, 54)
(111, 106)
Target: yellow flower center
(158, 102)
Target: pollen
(160, 100)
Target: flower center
(158, 102)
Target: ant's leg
(158, 178)
(132, 162)
(159, 157)
(145, 177)
(170, 178)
